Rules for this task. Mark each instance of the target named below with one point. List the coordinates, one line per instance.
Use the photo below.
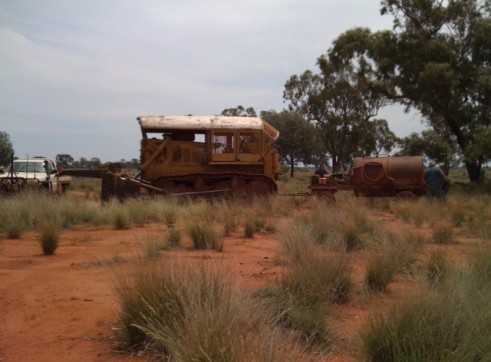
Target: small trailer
(401, 177)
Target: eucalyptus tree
(436, 146)
(239, 111)
(339, 105)
(436, 59)
(298, 141)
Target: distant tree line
(67, 161)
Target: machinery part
(236, 183)
(200, 154)
(388, 176)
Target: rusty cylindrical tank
(388, 176)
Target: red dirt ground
(63, 307)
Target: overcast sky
(74, 75)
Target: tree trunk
(474, 171)
(292, 169)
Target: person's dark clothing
(320, 172)
(435, 181)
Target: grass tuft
(204, 236)
(49, 238)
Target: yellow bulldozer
(198, 155)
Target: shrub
(49, 238)
(204, 236)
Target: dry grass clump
(391, 255)
(173, 238)
(419, 211)
(204, 236)
(443, 234)
(301, 301)
(316, 279)
(310, 283)
(451, 324)
(436, 269)
(380, 271)
(49, 238)
(297, 239)
(182, 312)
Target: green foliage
(341, 108)
(239, 111)
(294, 130)
(434, 60)
(6, 148)
(437, 146)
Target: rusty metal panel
(388, 176)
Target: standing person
(436, 182)
(48, 168)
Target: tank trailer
(401, 177)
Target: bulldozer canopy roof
(156, 124)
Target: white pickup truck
(33, 173)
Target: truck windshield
(25, 166)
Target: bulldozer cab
(205, 140)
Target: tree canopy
(342, 109)
(239, 111)
(298, 141)
(437, 59)
(6, 148)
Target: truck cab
(33, 173)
